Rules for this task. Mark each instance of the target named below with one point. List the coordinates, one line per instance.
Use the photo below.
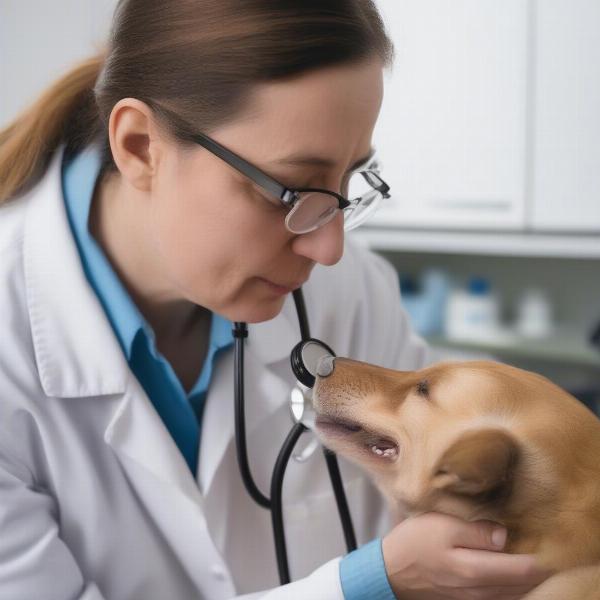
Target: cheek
(211, 242)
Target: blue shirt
(362, 572)
(181, 412)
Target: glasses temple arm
(244, 167)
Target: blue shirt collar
(79, 182)
(79, 177)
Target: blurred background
(490, 139)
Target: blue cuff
(363, 574)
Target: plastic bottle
(534, 314)
(473, 313)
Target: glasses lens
(364, 198)
(358, 186)
(361, 210)
(312, 210)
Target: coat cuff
(363, 575)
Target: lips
(328, 424)
(291, 286)
(283, 287)
(367, 440)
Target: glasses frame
(287, 196)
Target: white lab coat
(96, 501)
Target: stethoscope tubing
(240, 332)
(274, 504)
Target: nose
(324, 245)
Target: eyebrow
(319, 161)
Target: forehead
(465, 388)
(327, 112)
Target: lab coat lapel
(141, 441)
(268, 382)
(159, 474)
(76, 351)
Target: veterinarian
(129, 248)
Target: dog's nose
(326, 366)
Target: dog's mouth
(370, 441)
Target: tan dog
(478, 440)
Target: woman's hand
(435, 556)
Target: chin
(255, 313)
(264, 313)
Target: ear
(478, 462)
(134, 141)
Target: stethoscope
(309, 358)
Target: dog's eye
(423, 388)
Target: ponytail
(65, 113)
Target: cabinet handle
(472, 204)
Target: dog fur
(478, 440)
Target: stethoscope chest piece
(311, 358)
(301, 405)
(302, 412)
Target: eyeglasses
(311, 208)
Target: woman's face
(220, 243)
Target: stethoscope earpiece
(307, 361)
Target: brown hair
(194, 62)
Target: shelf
(567, 350)
(493, 243)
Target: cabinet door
(452, 130)
(566, 176)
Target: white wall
(39, 40)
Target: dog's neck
(562, 536)
(564, 528)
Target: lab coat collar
(76, 351)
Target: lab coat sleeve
(322, 584)
(34, 561)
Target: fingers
(482, 535)
(497, 569)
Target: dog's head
(474, 439)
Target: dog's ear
(478, 462)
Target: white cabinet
(566, 116)
(452, 130)
(491, 119)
